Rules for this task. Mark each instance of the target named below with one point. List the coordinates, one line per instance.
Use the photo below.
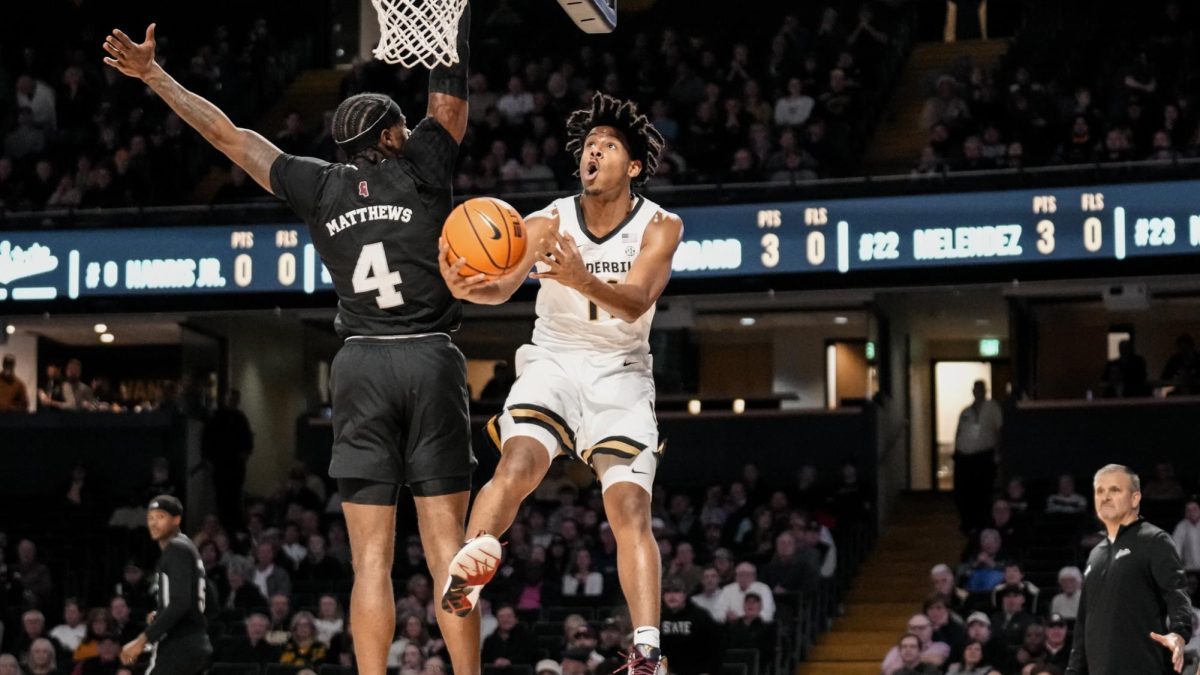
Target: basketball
(488, 232)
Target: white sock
(646, 636)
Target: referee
(177, 630)
(1134, 579)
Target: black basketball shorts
(400, 414)
(187, 655)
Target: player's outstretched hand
(460, 287)
(131, 58)
(564, 261)
(1174, 643)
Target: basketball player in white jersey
(584, 386)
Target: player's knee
(520, 465)
(628, 507)
(372, 561)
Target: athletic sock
(646, 636)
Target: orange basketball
(488, 232)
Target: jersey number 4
(371, 274)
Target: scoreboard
(1114, 223)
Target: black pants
(974, 478)
(188, 655)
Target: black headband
(370, 136)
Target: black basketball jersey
(376, 229)
(182, 592)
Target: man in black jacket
(689, 633)
(1133, 579)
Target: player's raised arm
(448, 85)
(244, 147)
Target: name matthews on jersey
(367, 213)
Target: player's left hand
(131, 651)
(564, 261)
(129, 57)
(460, 286)
(1174, 643)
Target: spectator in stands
(1012, 532)
(99, 624)
(1182, 370)
(76, 394)
(750, 631)
(683, 566)
(709, 596)
(793, 569)
(279, 611)
(9, 665)
(33, 628)
(227, 443)
(979, 629)
(1187, 536)
(581, 581)
(907, 658)
(330, 619)
(243, 594)
(1164, 486)
(26, 139)
(987, 568)
(1013, 576)
(1066, 500)
(1066, 603)
(303, 648)
(293, 551)
(107, 659)
(945, 107)
(975, 444)
(124, 625)
(971, 663)
(251, 647)
(42, 658)
(731, 604)
(13, 395)
(723, 562)
(270, 578)
(945, 628)
(1010, 622)
(1057, 651)
(941, 578)
(689, 633)
(1018, 501)
(38, 98)
(36, 584)
(72, 630)
(516, 103)
(414, 632)
(794, 109)
(511, 644)
(1032, 648)
(930, 651)
(1124, 376)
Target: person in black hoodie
(1134, 578)
(690, 637)
(511, 644)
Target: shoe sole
(471, 569)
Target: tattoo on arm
(244, 147)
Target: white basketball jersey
(568, 321)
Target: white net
(418, 32)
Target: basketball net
(418, 32)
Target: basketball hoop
(418, 32)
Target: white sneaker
(471, 569)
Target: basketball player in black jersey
(177, 631)
(399, 383)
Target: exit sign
(989, 347)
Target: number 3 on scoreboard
(371, 273)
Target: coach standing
(177, 630)
(1134, 579)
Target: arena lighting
(10, 329)
(107, 338)
(739, 406)
(100, 328)
(841, 320)
(747, 321)
(694, 406)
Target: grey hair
(1114, 468)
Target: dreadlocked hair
(356, 116)
(644, 142)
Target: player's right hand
(131, 58)
(460, 287)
